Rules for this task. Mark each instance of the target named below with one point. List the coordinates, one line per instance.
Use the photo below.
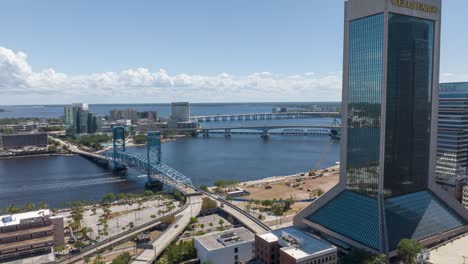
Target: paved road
(244, 217)
(121, 237)
(171, 233)
(246, 221)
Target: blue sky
(185, 46)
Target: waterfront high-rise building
(78, 119)
(387, 190)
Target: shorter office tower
(233, 246)
(149, 115)
(292, 246)
(31, 236)
(21, 128)
(129, 114)
(180, 111)
(452, 139)
(10, 141)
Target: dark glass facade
(408, 104)
(364, 103)
(388, 88)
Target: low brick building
(292, 246)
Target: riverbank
(35, 155)
(299, 186)
(131, 144)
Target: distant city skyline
(163, 51)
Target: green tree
(193, 220)
(221, 223)
(12, 209)
(123, 258)
(179, 252)
(99, 260)
(59, 248)
(408, 249)
(163, 260)
(85, 231)
(108, 197)
(204, 188)
(29, 207)
(78, 244)
(87, 259)
(139, 139)
(377, 259)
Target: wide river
(59, 179)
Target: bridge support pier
(154, 185)
(119, 167)
(265, 133)
(227, 133)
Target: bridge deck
(261, 127)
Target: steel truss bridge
(305, 129)
(263, 116)
(149, 163)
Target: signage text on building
(416, 5)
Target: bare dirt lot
(281, 190)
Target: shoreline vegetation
(107, 199)
(227, 184)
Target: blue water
(59, 179)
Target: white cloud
(17, 79)
(451, 77)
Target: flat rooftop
(452, 252)
(308, 246)
(14, 219)
(225, 238)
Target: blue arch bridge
(149, 163)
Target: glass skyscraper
(390, 82)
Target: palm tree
(42, 205)
(12, 209)
(29, 207)
(85, 231)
